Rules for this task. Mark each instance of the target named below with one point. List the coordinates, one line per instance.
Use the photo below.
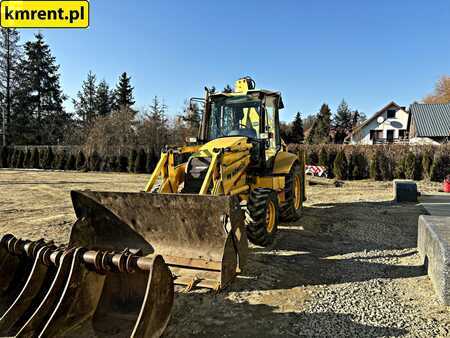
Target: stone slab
(433, 243)
(437, 204)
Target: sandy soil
(348, 267)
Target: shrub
(35, 159)
(114, 163)
(141, 161)
(13, 158)
(323, 157)
(400, 165)
(427, 160)
(61, 160)
(132, 163)
(340, 166)
(94, 161)
(330, 165)
(440, 167)
(358, 166)
(123, 163)
(81, 161)
(27, 161)
(71, 162)
(4, 156)
(20, 159)
(375, 166)
(312, 158)
(48, 159)
(410, 166)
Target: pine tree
(39, 115)
(124, 92)
(320, 132)
(104, 99)
(191, 116)
(298, 135)
(157, 118)
(10, 54)
(342, 122)
(86, 102)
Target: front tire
(262, 215)
(291, 209)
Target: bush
(71, 162)
(27, 161)
(330, 166)
(141, 162)
(410, 166)
(312, 158)
(114, 163)
(35, 159)
(440, 167)
(94, 161)
(48, 158)
(323, 157)
(340, 166)
(20, 159)
(427, 161)
(81, 161)
(375, 166)
(13, 158)
(4, 156)
(132, 163)
(358, 166)
(123, 163)
(61, 160)
(152, 161)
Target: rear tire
(291, 209)
(262, 215)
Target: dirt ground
(348, 267)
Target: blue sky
(368, 52)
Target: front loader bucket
(201, 237)
(74, 292)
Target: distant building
(388, 125)
(429, 123)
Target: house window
(376, 134)
(391, 113)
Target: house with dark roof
(388, 125)
(429, 123)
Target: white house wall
(399, 122)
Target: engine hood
(224, 142)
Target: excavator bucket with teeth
(58, 291)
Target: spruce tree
(124, 93)
(321, 128)
(342, 122)
(39, 115)
(298, 135)
(86, 102)
(104, 99)
(10, 54)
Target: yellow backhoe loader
(234, 182)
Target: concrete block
(433, 243)
(405, 191)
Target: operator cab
(247, 112)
